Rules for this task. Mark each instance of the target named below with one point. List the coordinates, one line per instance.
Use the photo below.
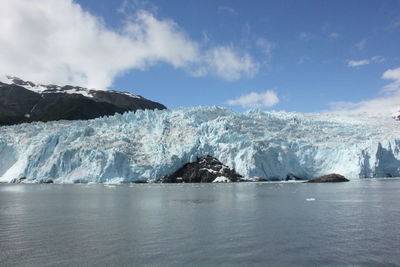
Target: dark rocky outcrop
(396, 115)
(47, 181)
(18, 180)
(140, 182)
(329, 178)
(21, 102)
(204, 170)
(22, 180)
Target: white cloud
(303, 59)
(225, 62)
(266, 46)
(306, 36)
(363, 62)
(396, 23)
(206, 38)
(227, 9)
(388, 102)
(334, 35)
(56, 41)
(361, 44)
(129, 7)
(378, 59)
(256, 100)
(394, 76)
(358, 63)
(246, 28)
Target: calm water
(353, 224)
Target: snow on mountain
(43, 89)
(148, 145)
(23, 101)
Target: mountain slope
(22, 101)
(148, 145)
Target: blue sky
(304, 54)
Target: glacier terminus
(147, 145)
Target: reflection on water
(355, 223)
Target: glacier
(147, 145)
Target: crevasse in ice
(147, 145)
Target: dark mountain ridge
(24, 101)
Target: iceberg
(221, 179)
(147, 145)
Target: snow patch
(221, 179)
(129, 94)
(209, 170)
(43, 89)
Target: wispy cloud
(246, 28)
(334, 35)
(361, 44)
(306, 36)
(58, 42)
(227, 9)
(396, 23)
(206, 38)
(303, 59)
(325, 26)
(387, 102)
(227, 63)
(130, 7)
(268, 98)
(266, 46)
(363, 62)
(394, 76)
(358, 63)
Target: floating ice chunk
(221, 179)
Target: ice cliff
(147, 145)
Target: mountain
(24, 101)
(148, 145)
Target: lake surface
(259, 224)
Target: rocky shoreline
(329, 178)
(210, 170)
